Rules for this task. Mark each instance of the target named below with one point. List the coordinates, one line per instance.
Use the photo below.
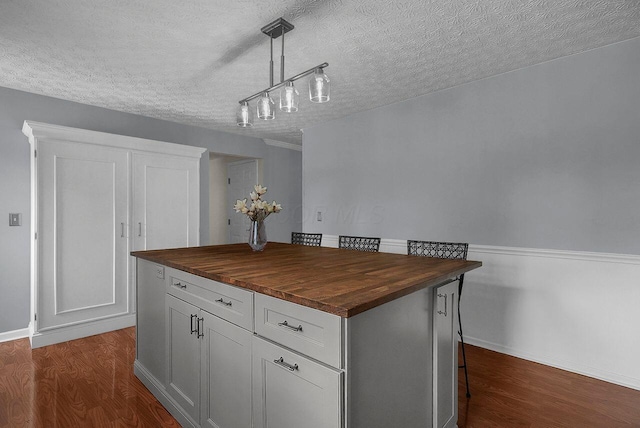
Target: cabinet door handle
(181, 285)
(229, 303)
(286, 324)
(445, 304)
(139, 229)
(281, 362)
(122, 230)
(200, 324)
(194, 330)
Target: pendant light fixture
(245, 115)
(289, 98)
(289, 95)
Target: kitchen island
(298, 336)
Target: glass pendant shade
(266, 108)
(289, 98)
(319, 87)
(244, 118)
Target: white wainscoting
(577, 311)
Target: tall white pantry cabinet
(94, 198)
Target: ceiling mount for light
(318, 84)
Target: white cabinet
(91, 194)
(445, 356)
(208, 358)
(183, 354)
(225, 399)
(292, 391)
(164, 215)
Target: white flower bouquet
(259, 209)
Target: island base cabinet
(226, 374)
(183, 355)
(445, 356)
(291, 391)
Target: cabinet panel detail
(445, 356)
(291, 391)
(226, 301)
(309, 331)
(226, 374)
(183, 356)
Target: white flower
(240, 205)
(259, 209)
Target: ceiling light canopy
(289, 95)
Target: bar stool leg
(464, 356)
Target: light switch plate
(15, 219)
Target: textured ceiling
(191, 61)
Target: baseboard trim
(158, 391)
(77, 331)
(14, 335)
(562, 365)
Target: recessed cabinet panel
(85, 199)
(226, 374)
(164, 213)
(183, 355)
(291, 391)
(445, 356)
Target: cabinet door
(226, 374)
(445, 356)
(82, 237)
(166, 201)
(291, 391)
(183, 355)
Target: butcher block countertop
(338, 281)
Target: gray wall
(16, 106)
(543, 157)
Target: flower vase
(257, 235)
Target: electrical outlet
(15, 219)
(159, 272)
(319, 216)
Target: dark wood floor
(90, 383)
(511, 392)
(82, 383)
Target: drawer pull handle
(200, 333)
(445, 304)
(281, 362)
(194, 330)
(181, 285)
(229, 303)
(286, 324)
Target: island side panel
(150, 328)
(389, 356)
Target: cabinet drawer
(226, 301)
(309, 331)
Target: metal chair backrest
(440, 250)
(359, 243)
(309, 239)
